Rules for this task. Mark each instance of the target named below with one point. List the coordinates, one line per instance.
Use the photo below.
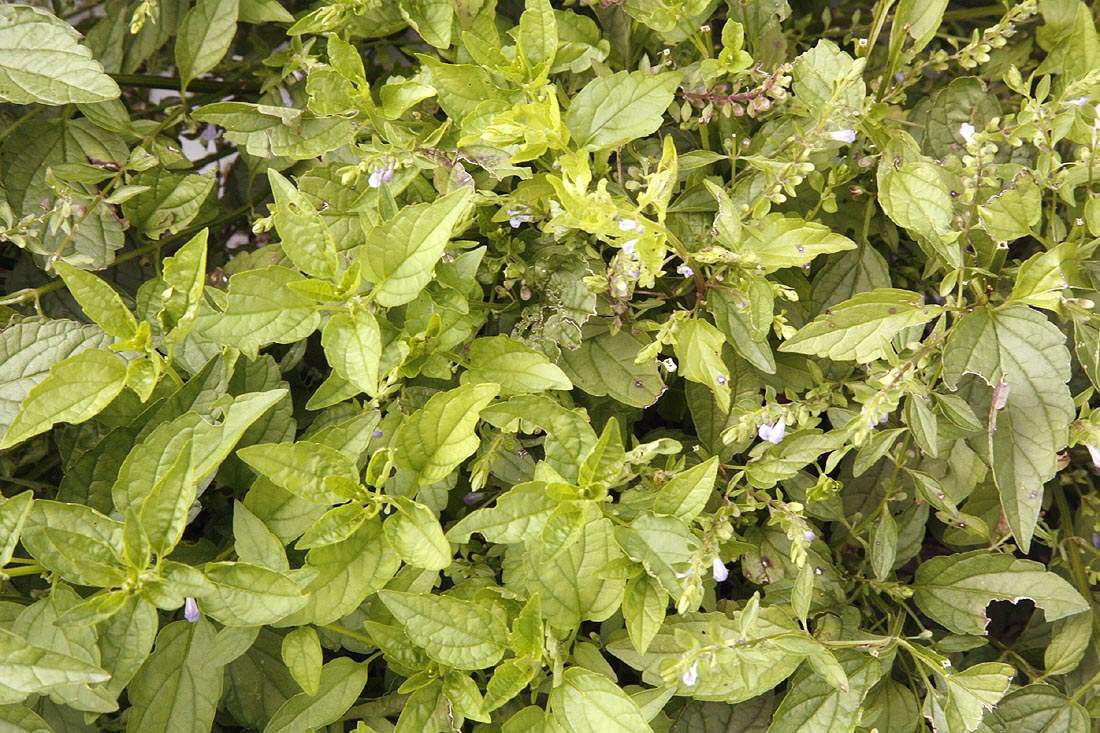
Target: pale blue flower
(843, 136)
(772, 433)
(191, 610)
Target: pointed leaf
(439, 436)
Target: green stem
(152, 81)
(34, 569)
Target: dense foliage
(598, 366)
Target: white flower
(967, 131)
(630, 248)
(772, 433)
(670, 364)
(1095, 453)
(191, 610)
(690, 675)
(518, 216)
(809, 534)
(843, 136)
(720, 570)
(685, 270)
(627, 225)
(1078, 102)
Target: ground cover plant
(607, 366)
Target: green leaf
(1069, 641)
(955, 589)
(177, 689)
(746, 323)
(516, 367)
(340, 683)
(27, 351)
(305, 237)
(1042, 278)
(19, 719)
(261, 309)
(1019, 347)
(250, 595)
(401, 254)
(31, 669)
(861, 329)
(266, 131)
(254, 542)
(301, 468)
(884, 544)
(604, 365)
(607, 459)
(1037, 708)
(42, 61)
(519, 515)
(169, 204)
(975, 690)
(414, 533)
(435, 439)
(588, 701)
(77, 389)
(163, 514)
(98, 300)
(205, 36)
(613, 110)
(687, 493)
(185, 277)
(302, 655)
(458, 633)
(264, 11)
(125, 640)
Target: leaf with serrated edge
(439, 436)
(458, 633)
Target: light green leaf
(432, 19)
(205, 36)
(27, 351)
(779, 241)
(613, 110)
(458, 633)
(177, 689)
(250, 595)
(76, 542)
(975, 690)
(261, 309)
(519, 515)
(1069, 641)
(736, 675)
(604, 365)
(644, 605)
(340, 683)
(305, 237)
(825, 78)
(20, 719)
(266, 131)
(439, 436)
(98, 300)
(335, 525)
(813, 703)
(184, 277)
(254, 542)
(1042, 279)
(163, 514)
(301, 468)
(884, 544)
(699, 351)
(588, 701)
(537, 33)
(13, 514)
(171, 202)
(920, 19)
(663, 545)
(353, 348)
(746, 322)
(955, 589)
(1014, 212)
(264, 11)
(77, 389)
(862, 328)
(568, 581)
(1020, 347)
(516, 367)
(607, 459)
(125, 640)
(915, 197)
(26, 668)
(414, 533)
(42, 61)
(1037, 708)
(401, 254)
(687, 493)
(302, 655)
